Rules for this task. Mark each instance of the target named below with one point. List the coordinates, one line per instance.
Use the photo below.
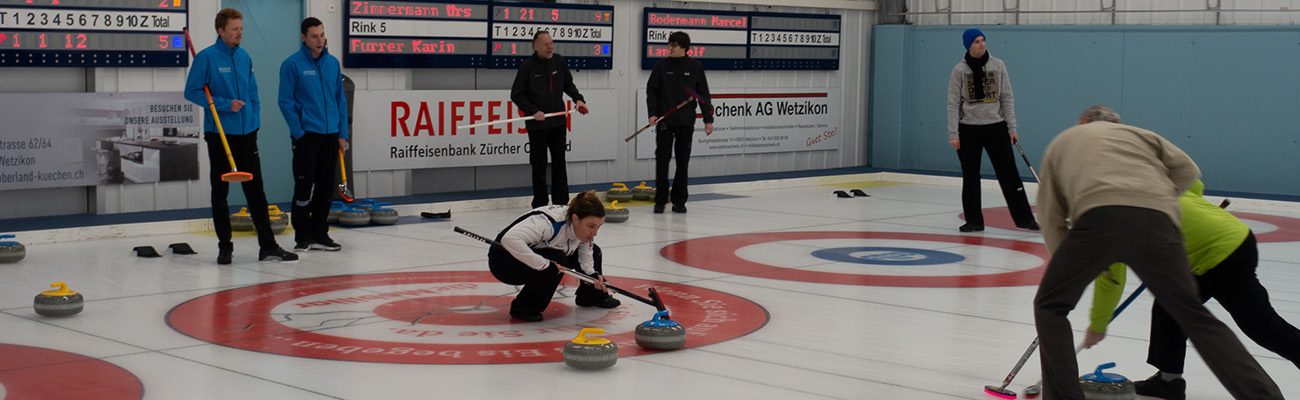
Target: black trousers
(539, 286)
(244, 150)
(541, 142)
(1149, 242)
(1234, 285)
(315, 158)
(975, 139)
(670, 139)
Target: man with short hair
(227, 71)
(1109, 193)
(314, 105)
(667, 87)
(539, 89)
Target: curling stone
(661, 333)
(380, 215)
(590, 352)
(58, 302)
(335, 208)
(1106, 386)
(643, 192)
(241, 221)
(616, 213)
(619, 192)
(353, 216)
(279, 220)
(11, 251)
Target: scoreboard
(746, 40)
(583, 34)
(93, 33)
(415, 34)
(472, 34)
(719, 39)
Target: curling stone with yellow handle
(241, 221)
(618, 192)
(279, 220)
(11, 251)
(58, 302)
(616, 213)
(590, 352)
(643, 192)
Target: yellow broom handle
(342, 169)
(220, 132)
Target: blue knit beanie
(969, 36)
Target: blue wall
(271, 34)
(1229, 96)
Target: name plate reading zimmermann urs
(415, 34)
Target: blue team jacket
(311, 94)
(228, 72)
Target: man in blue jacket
(315, 107)
(227, 71)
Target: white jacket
(542, 228)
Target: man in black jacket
(538, 90)
(668, 86)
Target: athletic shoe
(679, 208)
(659, 208)
(301, 247)
(969, 227)
(275, 254)
(225, 256)
(526, 317)
(326, 244)
(1155, 386)
(607, 302)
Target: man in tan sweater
(1109, 193)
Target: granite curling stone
(590, 353)
(58, 302)
(660, 333)
(616, 213)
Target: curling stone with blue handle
(335, 208)
(58, 302)
(1107, 386)
(11, 251)
(661, 333)
(590, 352)
(380, 215)
(616, 213)
(354, 216)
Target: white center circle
(976, 259)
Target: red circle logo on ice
(459, 317)
(721, 254)
(1267, 228)
(39, 373)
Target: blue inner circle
(887, 256)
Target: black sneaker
(607, 302)
(301, 247)
(1032, 225)
(526, 316)
(225, 256)
(326, 244)
(659, 208)
(971, 228)
(1155, 386)
(679, 208)
(276, 254)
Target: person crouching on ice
(535, 247)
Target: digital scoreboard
(415, 34)
(745, 40)
(794, 41)
(93, 33)
(583, 34)
(719, 39)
